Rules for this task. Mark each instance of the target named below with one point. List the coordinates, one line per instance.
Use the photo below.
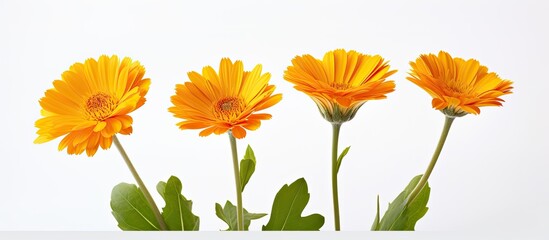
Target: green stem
(423, 181)
(146, 193)
(335, 138)
(239, 213)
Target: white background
(492, 174)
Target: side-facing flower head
(458, 86)
(225, 101)
(341, 82)
(91, 103)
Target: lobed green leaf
(288, 205)
(178, 210)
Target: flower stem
(423, 181)
(239, 213)
(335, 138)
(146, 193)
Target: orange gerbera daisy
(341, 82)
(458, 87)
(224, 101)
(91, 103)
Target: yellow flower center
(228, 108)
(100, 106)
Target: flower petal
(238, 132)
(252, 124)
(99, 126)
(207, 131)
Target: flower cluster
(92, 101)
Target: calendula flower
(341, 82)
(458, 86)
(91, 103)
(222, 102)
(226, 101)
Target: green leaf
(178, 210)
(402, 215)
(341, 156)
(247, 167)
(288, 206)
(228, 215)
(131, 210)
(375, 225)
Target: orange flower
(458, 87)
(341, 82)
(91, 103)
(225, 101)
